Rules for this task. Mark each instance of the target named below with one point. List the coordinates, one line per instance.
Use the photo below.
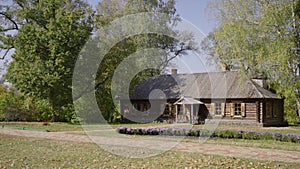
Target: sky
(196, 13)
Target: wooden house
(222, 97)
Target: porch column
(262, 112)
(176, 112)
(192, 114)
(184, 112)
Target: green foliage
(109, 10)
(68, 114)
(12, 107)
(50, 35)
(46, 49)
(15, 106)
(42, 110)
(260, 38)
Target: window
(237, 109)
(218, 109)
(269, 110)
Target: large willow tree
(261, 38)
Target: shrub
(68, 114)
(290, 138)
(12, 106)
(42, 109)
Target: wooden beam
(176, 112)
(192, 113)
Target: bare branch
(5, 54)
(10, 19)
(177, 53)
(90, 88)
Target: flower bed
(229, 134)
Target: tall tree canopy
(50, 36)
(261, 38)
(107, 11)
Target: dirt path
(162, 145)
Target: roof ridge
(215, 72)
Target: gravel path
(116, 143)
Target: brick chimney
(173, 71)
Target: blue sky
(197, 13)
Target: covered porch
(187, 110)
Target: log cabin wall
(250, 109)
(265, 112)
(273, 112)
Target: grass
(77, 129)
(267, 144)
(70, 127)
(53, 127)
(20, 152)
(59, 126)
(284, 130)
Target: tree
(109, 10)
(262, 39)
(50, 36)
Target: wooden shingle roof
(223, 85)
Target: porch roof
(186, 100)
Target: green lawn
(69, 127)
(20, 152)
(54, 127)
(269, 144)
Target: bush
(68, 114)
(14, 106)
(42, 109)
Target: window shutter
(232, 109)
(213, 108)
(223, 109)
(243, 109)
